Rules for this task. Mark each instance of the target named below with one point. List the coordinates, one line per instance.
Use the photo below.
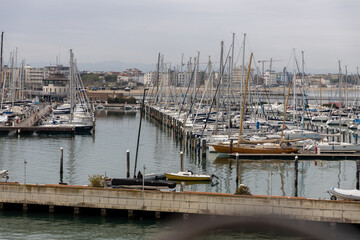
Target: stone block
(94, 200)
(296, 211)
(104, 200)
(286, 211)
(338, 214)
(156, 203)
(317, 213)
(184, 206)
(112, 201)
(175, 205)
(165, 204)
(202, 206)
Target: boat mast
(220, 77)
(231, 63)
(286, 105)
(71, 92)
(302, 75)
(243, 66)
(1, 57)
(138, 138)
(244, 99)
(340, 99)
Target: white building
(270, 78)
(56, 86)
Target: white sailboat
(81, 115)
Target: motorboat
(344, 194)
(187, 176)
(139, 182)
(335, 147)
(4, 174)
(63, 109)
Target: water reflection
(159, 151)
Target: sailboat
(332, 146)
(255, 147)
(80, 115)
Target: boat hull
(253, 149)
(187, 178)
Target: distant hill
(116, 66)
(106, 66)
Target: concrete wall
(181, 202)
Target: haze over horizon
(105, 33)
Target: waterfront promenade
(82, 198)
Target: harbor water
(159, 151)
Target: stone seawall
(180, 202)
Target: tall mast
(231, 64)
(1, 56)
(302, 74)
(243, 106)
(243, 66)
(345, 88)
(196, 62)
(71, 85)
(157, 79)
(219, 80)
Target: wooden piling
(61, 160)
(357, 174)
(181, 161)
(238, 181)
(204, 147)
(128, 163)
(296, 175)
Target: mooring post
(128, 163)
(204, 147)
(357, 174)
(61, 160)
(181, 161)
(231, 145)
(237, 170)
(296, 175)
(349, 137)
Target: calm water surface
(105, 153)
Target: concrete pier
(187, 203)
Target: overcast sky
(136, 31)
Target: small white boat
(63, 109)
(187, 176)
(336, 193)
(336, 147)
(4, 174)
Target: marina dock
(302, 155)
(82, 199)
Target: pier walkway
(29, 124)
(35, 116)
(82, 198)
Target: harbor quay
(82, 199)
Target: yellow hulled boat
(187, 176)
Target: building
(34, 78)
(56, 87)
(270, 78)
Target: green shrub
(97, 180)
(243, 190)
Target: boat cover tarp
(3, 118)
